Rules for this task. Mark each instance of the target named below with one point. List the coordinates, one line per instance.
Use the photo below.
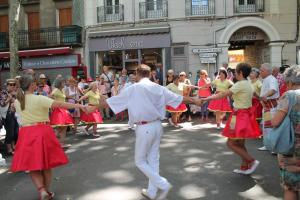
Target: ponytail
(21, 98)
(25, 82)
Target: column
(275, 53)
(163, 55)
(222, 56)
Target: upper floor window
(111, 11)
(153, 9)
(199, 7)
(248, 6)
(112, 6)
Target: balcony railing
(154, 9)
(248, 6)
(110, 13)
(46, 37)
(200, 7)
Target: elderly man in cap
(43, 80)
(7, 111)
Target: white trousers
(147, 155)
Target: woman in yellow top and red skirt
(241, 124)
(37, 149)
(256, 84)
(60, 118)
(221, 106)
(175, 112)
(94, 118)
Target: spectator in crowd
(170, 77)
(108, 77)
(197, 77)
(46, 87)
(72, 94)
(154, 77)
(269, 95)
(7, 99)
(289, 164)
(160, 73)
(124, 77)
(115, 90)
(82, 85)
(40, 89)
(204, 91)
(281, 83)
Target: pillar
(276, 53)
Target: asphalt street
(194, 158)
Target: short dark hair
(143, 70)
(224, 72)
(244, 68)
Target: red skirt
(256, 108)
(37, 149)
(221, 105)
(91, 118)
(242, 125)
(61, 117)
(181, 108)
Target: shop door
(33, 29)
(4, 31)
(65, 17)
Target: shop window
(178, 51)
(112, 58)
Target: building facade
(189, 35)
(50, 37)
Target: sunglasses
(12, 84)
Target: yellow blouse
(93, 97)
(58, 95)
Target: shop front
(128, 49)
(45, 61)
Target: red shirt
(204, 92)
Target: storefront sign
(130, 42)
(208, 60)
(207, 55)
(208, 50)
(247, 34)
(5, 64)
(50, 62)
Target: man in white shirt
(146, 102)
(268, 95)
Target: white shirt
(269, 83)
(145, 101)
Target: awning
(129, 32)
(39, 52)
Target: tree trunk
(14, 12)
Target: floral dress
(291, 180)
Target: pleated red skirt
(257, 108)
(242, 125)
(221, 105)
(181, 108)
(91, 118)
(37, 149)
(61, 117)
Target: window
(4, 23)
(199, 2)
(154, 5)
(178, 51)
(112, 6)
(246, 2)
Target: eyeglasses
(12, 84)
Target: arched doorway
(239, 35)
(249, 44)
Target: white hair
(292, 74)
(267, 66)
